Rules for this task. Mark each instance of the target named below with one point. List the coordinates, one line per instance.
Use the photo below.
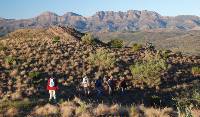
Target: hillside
(187, 42)
(105, 21)
(28, 57)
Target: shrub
(152, 112)
(196, 95)
(163, 54)
(56, 39)
(133, 111)
(166, 53)
(196, 70)
(102, 110)
(82, 108)
(14, 73)
(67, 109)
(25, 104)
(2, 47)
(12, 112)
(102, 58)
(47, 110)
(88, 38)
(148, 73)
(34, 74)
(9, 59)
(116, 43)
(187, 100)
(136, 47)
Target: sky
(21, 9)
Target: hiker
(52, 86)
(86, 85)
(99, 87)
(123, 85)
(111, 85)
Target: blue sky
(19, 9)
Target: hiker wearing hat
(52, 86)
(86, 85)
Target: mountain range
(105, 21)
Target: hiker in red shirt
(52, 86)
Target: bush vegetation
(116, 43)
(102, 58)
(34, 74)
(88, 39)
(9, 59)
(136, 47)
(56, 39)
(7, 104)
(196, 70)
(2, 47)
(188, 100)
(148, 73)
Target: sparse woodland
(160, 83)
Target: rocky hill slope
(28, 57)
(131, 20)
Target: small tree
(88, 38)
(148, 73)
(102, 58)
(116, 43)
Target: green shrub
(102, 58)
(164, 54)
(56, 39)
(148, 73)
(136, 47)
(2, 47)
(9, 59)
(25, 104)
(116, 43)
(196, 70)
(88, 39)
(188, 98)
(34, 74)
(196, 95)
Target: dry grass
(46, 110)
(152, 112)
(196, 113)
(12, 112)
(101, 110)
(14, 73)
(67, 109)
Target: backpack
(51, 82)
(98, 83)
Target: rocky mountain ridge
(102, 21)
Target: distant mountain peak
(131, 20)
(48, 13)
(71, 14)
(2, 18)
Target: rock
(23, 72)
